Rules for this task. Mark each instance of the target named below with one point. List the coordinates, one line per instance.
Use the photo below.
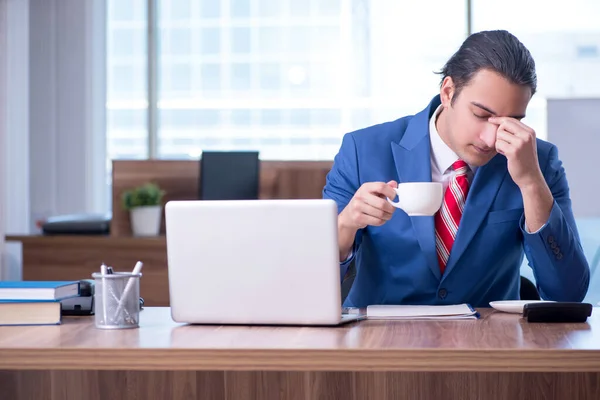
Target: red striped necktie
(448, 216)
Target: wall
(67, 107)
(3, 96)
(572, 126)
(53, 141)
(15, 87)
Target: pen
(103, 271)
(130, 283)
(110, 271)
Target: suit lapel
(412, 157)
(482, 192)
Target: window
(127, 103)
(263, 74)
(284, 77)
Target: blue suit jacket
(396, 263)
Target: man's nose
(488, 135)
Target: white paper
(455, 311)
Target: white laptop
(272, 262)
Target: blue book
(38, 290)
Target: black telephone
(84, 303)
(557, 312)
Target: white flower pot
(145, 221)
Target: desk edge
(416, 360)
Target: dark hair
(498, 51)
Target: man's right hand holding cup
(368, 206)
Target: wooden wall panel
(131, 385)
(180, 179)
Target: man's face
(465, 127)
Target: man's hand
(516, 141)
(368, 206)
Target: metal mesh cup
(116, 300)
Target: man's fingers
(514, 127)
(504, 147)
(376, 207)
(380, 203)
(366, 219)
(371, 206)
(380, 188)
(505, 137)
(374, 187)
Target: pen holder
(117, 300)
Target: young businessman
(506, 193)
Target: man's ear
(447, 92)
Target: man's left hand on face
(516, 141)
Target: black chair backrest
(229, 175)
(528, 290)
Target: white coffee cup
(419, 198)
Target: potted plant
(144, 204)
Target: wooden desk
(77, 257)
(497, 357)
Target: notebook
(416, 312)
(38, 290)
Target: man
(470, 138)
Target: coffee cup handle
(395, 204)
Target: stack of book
(34, 302)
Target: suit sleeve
(554, 252)
(341, 184)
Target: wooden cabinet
(77, 257)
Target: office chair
(348, 280)
(528, 290)
(229, 175)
